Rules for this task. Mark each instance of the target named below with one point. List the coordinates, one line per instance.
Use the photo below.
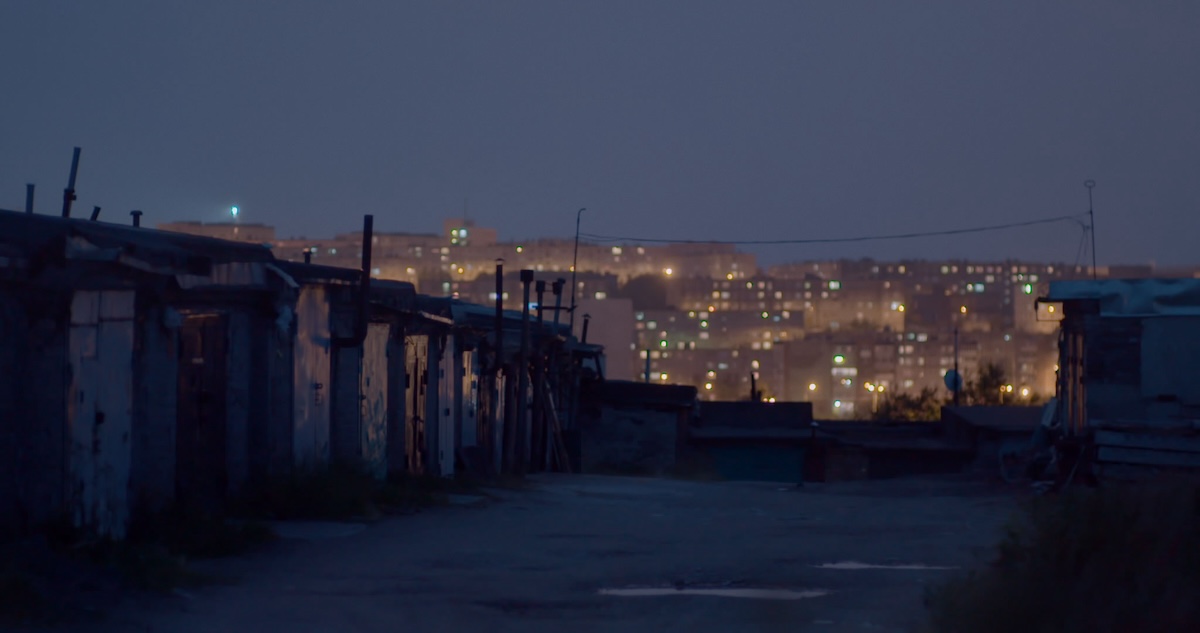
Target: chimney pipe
(647, 365)
(307, 256)
(29, 198)
(540, 287)
(523, 371)
(499, 314)
(95, 213)
(365, 290)
(587, 318)
(69, 192)
(137, 217)
(557, 288)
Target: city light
(839, 359)
(812, 386)
(668, 271)
(837, 404)
(765, 314)
(711, 374)
(520, 249)
(1008, 388)
(900, 308)
(771, 400)
(708, 386)
(729, 276)
(1028, 289)
(662, 343)
(663, 376)
(1024, 392)
(870, 387)
(963, 309)
(1050, 309)
(234, 212)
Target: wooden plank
(1176, 443)
(560, 446)
(1147, 457)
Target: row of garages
(143, 369)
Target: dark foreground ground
(537, 559)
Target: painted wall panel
(470, 399)
(312, 373)
(446, 414)
(416, 349)
(101, 390)
(374, 383)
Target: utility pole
(69, 192)
(1091, 184)
(574, 266)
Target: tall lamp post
(575, 265)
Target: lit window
(835, 285)
(616, 250)
(601, 295)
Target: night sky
(681, 119)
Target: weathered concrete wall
(156, 376)
(628, 439)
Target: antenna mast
(1091, 184)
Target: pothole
(721, 592)
(855, 565)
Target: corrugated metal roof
(144, 248)
(1132, 297)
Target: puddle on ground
(726, 592)
(853, 565)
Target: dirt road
(836, 557)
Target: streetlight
(574, 266)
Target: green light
(1028, 289)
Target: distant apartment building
(843, 334)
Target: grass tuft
(1120, 558)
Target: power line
(839, 240)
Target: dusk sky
(684, 119)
